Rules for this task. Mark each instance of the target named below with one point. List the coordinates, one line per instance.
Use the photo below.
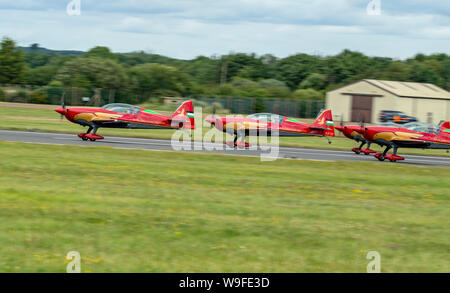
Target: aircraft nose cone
(360, 130)
(214, 121)
(61, 111)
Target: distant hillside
(131, 58)
(49, 51)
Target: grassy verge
(142, 211)
(45, 119)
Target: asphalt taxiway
(166, 145)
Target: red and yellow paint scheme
(396, 137)
(268, 124)
(127, 116)
(353, 132)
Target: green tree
(203, 70)
(315, 81)
(347, 66)
(426, 74)
(11, 62)
(242, 65)
(155, 79)
(308, 94)
(445, 71)
(92, 72)
(397, 70)
(101, 52)
(294, 69)
(274, 88)
(41, 75)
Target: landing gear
(391, 157)
(82, 136)
(382, 156)
(365, 151)
(358, 150)
(90, 136)
(241, 143)
(394, 157)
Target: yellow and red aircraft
(267, 123)
(127, 116)
(397, 137)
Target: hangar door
(362, 108)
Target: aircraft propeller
(63, 104)
(362, 125)
(341, 123)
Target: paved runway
(158, 144)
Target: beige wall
(340, 105)
(438, 108)
(387, 102)
(340, 102)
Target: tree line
(135, 77)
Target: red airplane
(353, 132)
(266, 123)
(396, 137)
(127, 116)
(442, 138)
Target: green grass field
(45, 119)
(147, 211)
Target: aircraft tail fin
(184, 115)
(445, 128)
(325, 121)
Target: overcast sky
(189, 28)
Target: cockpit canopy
(122, 108)
(415, 126)
(267, 117)
(422, 127)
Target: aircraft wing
(317, 128)
(434, 140)
(137, 120)
(177, 120)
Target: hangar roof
(411, 89)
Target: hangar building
(365, 99)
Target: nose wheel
(366, 151)
(93, 137)
(391, 157)
(90, 136)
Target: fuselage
(402, 137)
(286, 126)
(140, 119)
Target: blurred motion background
(232, 83)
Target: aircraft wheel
(84, 138)
(381, 159)
(92, 139)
